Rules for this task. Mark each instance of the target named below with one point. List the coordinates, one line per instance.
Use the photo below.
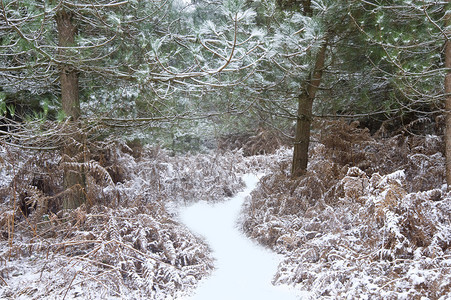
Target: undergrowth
(125, 241)
(368, 219)
(260, 142)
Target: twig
(4, 281)
(70, 284)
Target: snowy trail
(244, 270)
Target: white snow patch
(244, 270)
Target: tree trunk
(304, 116)
(70, 100)
(73, 181)
(68, 75)
(302, 135)
(448, 100)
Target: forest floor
(369, 219)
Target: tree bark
(68, 74)
(302, 135)
(448, 99)
(304, 115)
(74, 180)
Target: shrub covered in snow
(369, 219)
(381, 230)
(125, 241)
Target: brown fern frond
(92, 167)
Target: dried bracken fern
(124, 241)
(355, 225)
(263, 141)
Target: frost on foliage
(349, 232)
(128, 251)
(185, 178)
(124, 243)
(376, 240)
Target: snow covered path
(244, 270)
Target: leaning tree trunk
(448, 99)
(304, 116)
(73, 181)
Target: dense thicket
(369, 217)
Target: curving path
(244, 270)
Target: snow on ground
(244, 270)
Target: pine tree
(158, 47)
(412, 38)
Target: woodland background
(115, 113)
